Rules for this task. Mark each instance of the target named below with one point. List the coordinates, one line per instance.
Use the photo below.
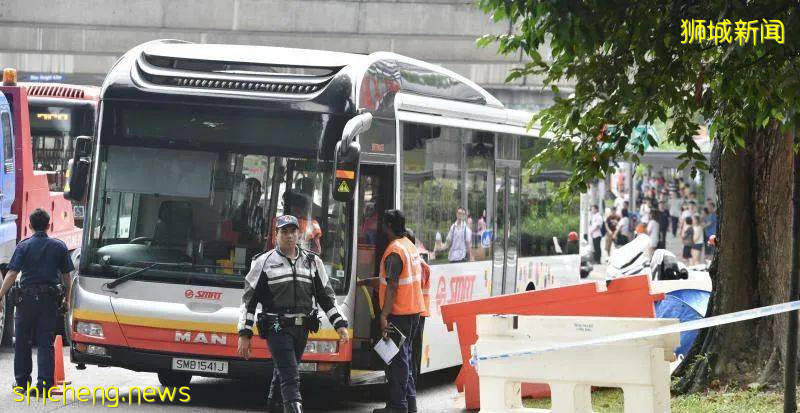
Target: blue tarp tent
(686, 305)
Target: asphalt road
(436, 393)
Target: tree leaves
(629, 67)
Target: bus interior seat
(174, 225)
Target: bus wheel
(6, 322)
(174, 379)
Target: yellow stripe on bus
(88, 315)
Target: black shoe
(293, 407)
(412, 405)
(388, 409)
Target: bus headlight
(322, 346)
(89, 329)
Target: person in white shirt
(697, 239)
(458, 238)
(595, 222)
(653, 230)
(688, 212)
(674, 212)
(644, 212)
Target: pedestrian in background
(663, 224)
(653, 230)
(687, 239)
(674, 212)
(595, 223)
(611, 229)
(698, 235)
(624, 233)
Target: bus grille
(222, 76)
(56, 91)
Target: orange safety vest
(408, 299)
(426, 289)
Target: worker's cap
(573, 236)
(286, 220)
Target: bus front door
(375, 195)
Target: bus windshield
(54, 127)
(205, 199)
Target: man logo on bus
(200, 338)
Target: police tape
(673, 328)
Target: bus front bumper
(151, 361)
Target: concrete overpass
(77, 41)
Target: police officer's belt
(41, 289)
(287, 320)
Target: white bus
(197, 148)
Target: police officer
(41, 260)
(401, 301)
(284, 281)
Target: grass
(751, 401)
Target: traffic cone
(59, 375)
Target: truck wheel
(6, 322)
(174, 379)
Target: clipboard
(389, 345)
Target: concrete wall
(81, 39)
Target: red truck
(38, 123)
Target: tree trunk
(752, 265)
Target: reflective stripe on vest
(408, 298)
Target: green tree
(630, 67)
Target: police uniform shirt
(286, 286)
(41, 259)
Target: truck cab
(24, 189)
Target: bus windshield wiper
(113, 284)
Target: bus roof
(301, 79)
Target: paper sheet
(387, 349)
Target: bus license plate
(201, 366)
(307, 367)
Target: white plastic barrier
(640, 366)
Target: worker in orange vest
(400, 298)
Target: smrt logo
(203, 295)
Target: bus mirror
(78, 170)
(346, 168)
(346, 157)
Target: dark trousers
(402, 387)
(674, 223)
(597, 251)
(416, 350)
(35, 319)
(287, 347)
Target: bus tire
(174, 379)
(6, 322)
